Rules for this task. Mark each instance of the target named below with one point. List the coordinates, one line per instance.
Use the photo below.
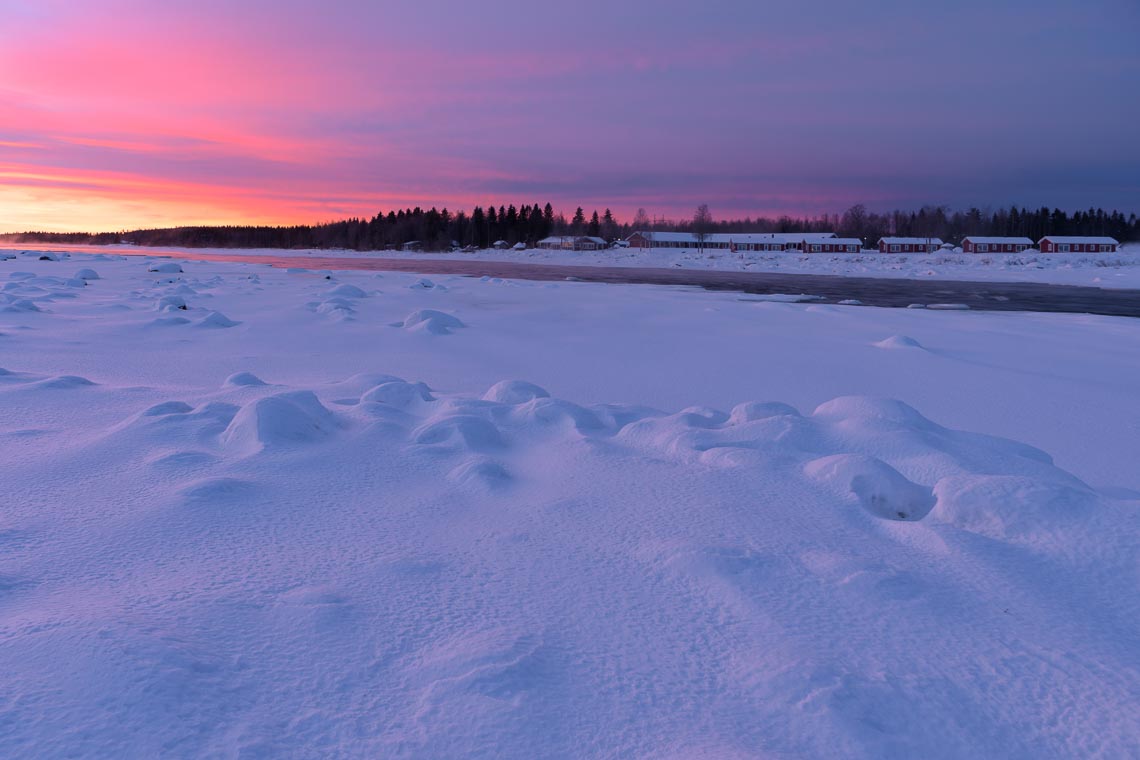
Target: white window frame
(982, 248)
(894, 247)
(1062, 247)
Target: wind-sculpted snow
(431, 321)
(314, 535)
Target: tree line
(440, 230)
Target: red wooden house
(1072, 244)
(909, 245)
(976, 244)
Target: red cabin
(909, 245)
(975, 244)
(1071, 244)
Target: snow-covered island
(257, 512)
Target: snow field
(312, 534)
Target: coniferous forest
(440, 230)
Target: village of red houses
(826, 242)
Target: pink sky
(122, 114)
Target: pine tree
(578, 222)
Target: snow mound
(397, 393)
(1011, 507)
(168, 408)
(431, 321)
(346, 291)
(514, 392)
(750, 411)
(87, 274)
(898, 341)
(63, 382)
(866, 410)
(464, 432)
(422, 284)
(556, 412)
(216, 319)
(337, 308)
(879, 488)
(171, 303)
(167, 267)
(480, 472)
(243, 380)
(17, 305)
(48, 256)
(285, 419)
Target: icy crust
(879, 457)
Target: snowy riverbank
(1111, 270)
(258, 512)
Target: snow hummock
(514, 392)
(244, 380)
(431, 321)
(283, 419)
(167, 267)
(216, 319)
(898, 341)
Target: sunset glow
(125, 114)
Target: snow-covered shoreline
(251, 511)
(1110, 270)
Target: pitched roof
(911, 241)
(998, 240)
(737, 237)
(1078, 239)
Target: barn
(1071, 244)
(975, 244)
(909, 244)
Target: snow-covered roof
(998, 240)
(737, 237)
(667, 237)
(911, 241)
(846, 241)
(560, 238)
(1078, 239)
